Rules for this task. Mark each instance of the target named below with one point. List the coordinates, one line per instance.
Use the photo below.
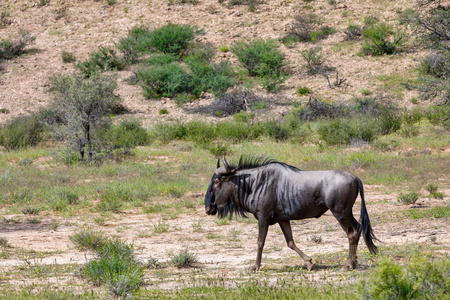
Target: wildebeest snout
(211, 209)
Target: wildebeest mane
(246, 163)
(250, 162)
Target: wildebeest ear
(218, 163)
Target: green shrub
(200, 132)
(353, 32)
(381, 38)
(172, 38)
(112, 198)
(184, 259)
(161, 59)
(21, 132)
(215, 78)
(303, 91)
(335, 132)
(88, 239)
(305, 28)
(389, 120)
(233, 131)
(135, 44)
(274, 129)
(116, 267)
(61, 198)
(21, 195)
(409, 198)
(261, 58)
(103, 60)
(10, 49)
(424, 277)
(68, 57)
(163, 80)
(128, 134)
(314, 60)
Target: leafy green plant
(160, 227)
(353, 32)
(314, 59)
(262, 59)
(68, 57)
(423, 277)
(21, 132)
(172, 38)
(127, 134)
(184, 259)
(303, 91)
(163, 80)
(409, 198)
(10, 49)
(215, 78)
(88, 239)
(61, 198)
(135, 44)
(381, 38)
(103, 60)
(116, 267)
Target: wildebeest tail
(367, 231)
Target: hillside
(81, 27)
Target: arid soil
(81, 27)
(225, 250)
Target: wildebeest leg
(350, 226)
(263, 227)
(286, 228)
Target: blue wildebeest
(275, 192)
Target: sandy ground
(225, 249)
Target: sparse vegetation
(380, 38)
(408, 198)
(184, 259)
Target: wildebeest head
(218, 193)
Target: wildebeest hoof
(311, 266)
(349, 266)
(254, 268)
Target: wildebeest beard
(236, 209)
(231, 209)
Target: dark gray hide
(275, 192)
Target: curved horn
(226, 165)
(218, 163)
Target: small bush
(22, 195)
(21, 132)
(10, 49)
(112, 198)
(160, 227)
(116, 267)
(30, 210)
(62, 198)
(314, 60)
(424, 277)
(261, 58)
(161, 59)
(303, 91)
(163, 80)
(128, 134)
(135, 44)
(305, 28)
(184, 259)
(163, 111)
(68, 57)
(214, 78)
(172, 38)
(103, 60)
(353, 32)
(88, 239)
(409, 198)
(381, 38)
